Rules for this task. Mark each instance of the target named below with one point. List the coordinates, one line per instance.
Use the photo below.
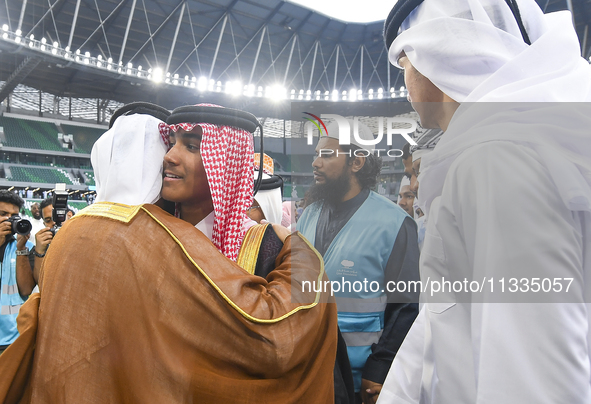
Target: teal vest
(10, 299)
(356, 260)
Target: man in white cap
(363, 237)
(492, 74)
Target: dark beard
(37, 216)
(331, 192)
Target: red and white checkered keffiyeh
(227, 158)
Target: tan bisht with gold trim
(139, 307)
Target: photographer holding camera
(16, 275)
(53, 213)
(44, 236)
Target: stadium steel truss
(238, 53)
(67, 65)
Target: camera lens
(23, 226)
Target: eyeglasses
(254, 207)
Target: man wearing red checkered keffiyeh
(209, 170)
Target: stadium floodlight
(18, 33)
(335, 95)
(218, 86)
(278, 92)
(260, 91)
(157, 75)
(43, 44)
(202, 84)
(4, 27)
(402, 89)
(352, 94)
(86, 57)
(54, 49)
(237, 89)
(249, 90)
(32, 41)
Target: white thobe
(37, 224)
(499, 215)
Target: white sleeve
(501, 217)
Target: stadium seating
(90, 176)
(38, 175)
(84, 138)
(77, 205)
(30, 134)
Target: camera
(20, 225)
(60, 207)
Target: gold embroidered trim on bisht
(230, 301)
(110, 210)
(249, 251)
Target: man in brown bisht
(140, 307)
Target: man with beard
(366, 238)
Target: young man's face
(6, 211)
(47, 218)
(185, 180)
(407, 198)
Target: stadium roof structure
(238, 53)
